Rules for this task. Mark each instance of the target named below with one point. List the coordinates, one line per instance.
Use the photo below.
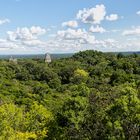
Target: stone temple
(14, 60)
(48, 58)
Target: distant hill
(41, 56)
(126, 53)
(54, 56)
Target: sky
(68, 26)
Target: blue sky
(62, 26)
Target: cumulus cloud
(34, 43)
(97, 29)
(135, 45)
(106, 44)
(79, 35)
(37, 30)
(72, 23)
(93, 15)
(80, 39)
(112, 17)
(26, 33)
(4, 44)
(3, 21)
(72, 40)
(110, 42)
(133, 31)
(131, 45)
(138, 13)
(64, 46)
(24, 38)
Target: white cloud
(20, 34)
(34, 43)
(26, 33)
(110, 42)
(71, 23)
(93, 15)
(25, 38)
(79, 35)
(133, 31)
(3, 21)
(63, 46)
(106, 44)
(80, 39)
(37, 30)
(97, 29)
(4, 44)
(135, 45)
(131, 45)
(112, 17)
(138, 13)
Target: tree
(80, 75)
(18, 124)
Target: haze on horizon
(60, 26)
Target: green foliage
(79, 76)
(91, 95)
(19, 124)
